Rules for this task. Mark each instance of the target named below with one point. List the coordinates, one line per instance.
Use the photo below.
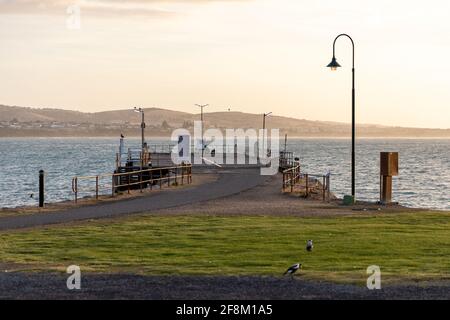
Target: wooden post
(160, 178)
(41, 188)
(129, 182)
(140, 180)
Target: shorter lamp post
(264, 130)
(201, 106)
(141, 111)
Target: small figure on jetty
(293, 269)
(309, 245)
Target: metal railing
(294, 180)
(287, 160)
(138, 179)
(291, 176)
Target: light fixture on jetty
(333, 65)
(201, 106)
(141, 111)
(264, 129)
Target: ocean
(423, 181)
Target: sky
(247, 55)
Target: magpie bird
(292, 269)
(309, 245)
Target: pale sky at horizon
(248, 55)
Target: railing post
(160, 178)
(75, 188)
(292, 182)
(129, 177)
(307, 182)
(182, 175)
(328, 186)
(41, 188)
(168, 177)
(140, 180)
(113, 181)
(151, 179)
(189, 171)
(323, 188)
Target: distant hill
(24, 121)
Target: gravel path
(229, 182)
(122, 286)
(267, 199)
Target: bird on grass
(293, 269)
(309, 245)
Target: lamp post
(141, 111)
(201, 106)
(264, 129)
(334, 65)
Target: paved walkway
(230, 181)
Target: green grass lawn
(405, 246)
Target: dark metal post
(201, 106)
(353, 132)
(41, 188)
(96, 187)
(333, 66)
(264, 132)
(142, 131)
(203, 144)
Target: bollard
(41, 188)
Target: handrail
(293, 176)
(186, 174)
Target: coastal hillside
(24, 121)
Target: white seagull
(292, 269)
(309, 245)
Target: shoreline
(37, 137)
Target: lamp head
(333, 64)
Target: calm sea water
(424, 179)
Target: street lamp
(201, 106)
(141, 111)
(334, 65)
(264, 129)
